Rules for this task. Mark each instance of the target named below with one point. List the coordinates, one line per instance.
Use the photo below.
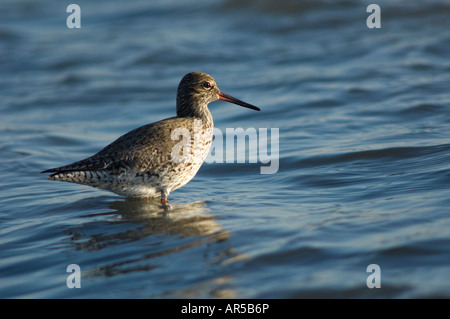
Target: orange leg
(164, 195)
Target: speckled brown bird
(158, 158)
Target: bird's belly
(136, 190)
(142, 184)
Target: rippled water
(364, 149)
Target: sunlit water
(364, 149)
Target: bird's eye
(206, 85)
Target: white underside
(138, 191)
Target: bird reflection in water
(163, 230)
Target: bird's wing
(144, 149)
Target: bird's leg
(164, 194)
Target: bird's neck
(194, 108)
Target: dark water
(364, 149)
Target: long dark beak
(229, 98)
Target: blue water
(364, 149)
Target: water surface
(364, 149)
